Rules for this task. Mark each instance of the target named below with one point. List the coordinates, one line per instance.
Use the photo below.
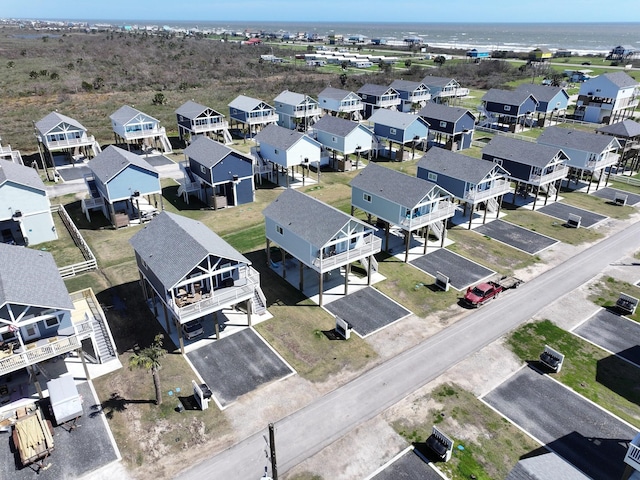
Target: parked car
(193, 330)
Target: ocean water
(581, 38)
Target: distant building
(478, 54)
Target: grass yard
(605, 293)
(597, 205)
(492, 446)
(604, 379)
(64, 250)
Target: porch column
(301, 282)
(470, 215)
(166, 317)
(268, 253)
(386, 237)
(515, 193)
(486, 207)
(407, 241)
(535, 198)
(84, 363)
(347, 270)
(216, 325)
(546, 195)
(600, 178)
(444, 234)
(284, 263)
(426, 239)
(320, 278)
(34, 379)
(558, 187)
(318, 171)
(179, 328)
(352, 210)
(369, 270)
(499, 205)
(249, 308)
(112, 212)
(144, 288)
(287, 175)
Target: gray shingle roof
(291, 98)
(13, 172)
(406, 85)
(621, 79)
(430, 81)
(392, 185)
(542, 93)
(507, 97)
(31, 277)
(443, 112)
(335, 125)
(310, 219)
(54, 119)
(335, 93)
(112, 160)
(172, 245)
(456, 165)
(278, 137)
(125, 114)
(625, 129)
(191, 109)
(208, 152)
(373, 89)
(247, 104)
(576, 139)
(520, 151)
(393, 118)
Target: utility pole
(272, 450)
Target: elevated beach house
(40, 321)
(628, 134)
(508, 109)
(320, 237)
(188, 273)
(400, 200)
(7, 153)
(133, 127)
(59, 133)
(449, 127)
(378, 96)
(413, 95)
(533, 167)
(341, 102)
(552, 102)
(25, 210)
(124, 186)
(195, 119)
(401, 128)
(296, 111)
(251, 113)
(444, 89)
(473, 182)
(217, 175)
(607, 98)
(588, 153)
(285, 151)
(344, 137)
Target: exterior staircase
(492, 205)
(258, 301)
(226, 135)
(437, 228)
(365, 263)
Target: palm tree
(149, 359)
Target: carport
(237, 364)
(367, 310)
(516, 237)
(588, 437)
(461, 271)
(562, 211)
(609, 193)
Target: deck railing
(90, 260)
(557, 174)
(69, 142)
(210, 127)
(444, 210)
(371, 246)
(500, 187)
(632, 458)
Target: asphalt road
(305, 432)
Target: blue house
(341, 102)
(286, 149)
(413, 94)
(401, 128)
(401, 200)
(378, 96)
(471, 181)
(296, 111)
(449, 127)
(122, 184)
(344, 137)
(195, 119)
(532, 166)
(133, 127)
(217, 175)
(508, 109)
(476, 54)
(188, 274)
(25, 210)
(320, 237)
(552, 101)
(252, 113)
(443, 89)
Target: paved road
(307, 431)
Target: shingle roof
(310, 219)
(335, 93)
(437, 81)
(443, 112)
(246, 104)
(576, 139)
(542, 93)
(621, 79)
(393, 118)
(31, 277)
(54, 119)
(406, 85)
(507, 97)
(13, 172)
(278, 137)
(125, 114)
(291, 98)
(372, 89)
(191, 109)
(392, 185)
(625, 129)
(335, 125)
(520, 151)
(112, 160)
(172, 245)
(456, 165)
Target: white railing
(371, 246)
(632, 458)
(210, 127)
(90, 260)
(557, 174)
(454, 92)
(389, 102)
(36, 354)
(69, 142)
(307, 112)
(272, 118)
(154, 132)
(445, 209)
(93, 202)
(605, 161)
(500, 187)
(627, 180)
(351, 107)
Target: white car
(193, 330)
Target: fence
(90, 260)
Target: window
(364, 96)
(30, 332)
(334, 139)
(443, 124)
(52, 322)
(507, 108)
(279, 230)
(203, 169)
(275, 151)
(392, 131)
(366, 197)
(433, 177)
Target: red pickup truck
(483, 292)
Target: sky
(414, 11)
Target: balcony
(212, 126)
(558, 174)
(69, 142)
(351, 107)
(632, 458)
(389, 102)
(310, 111)
(606, 160)
(454, 92)
(371, 246)
(151, 132)
(419, 97)
(444, 210)
(262, 119)
(499, 187)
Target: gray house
(296, 111)
(195, 119)
(449, 127)
(552, 101)
(378, 96)
(508, 109)
(628, 134)
(399, 127)
(319, 236)
(343, 137)
(532, 166)
(471, 181)
(395, 198)
(341, 102)
(188, 273)
(252, 113)
(444, 89)
(412, 94)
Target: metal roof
(407, 85)
(576, 139)
(520, 151)
(279, 137)
(14, 172)
(125, 114)
(373, 89)
(456, 165)
(336, 93)
(112, 160)
(209, 153)
(172, 246)
(31, 277)
(46, 124)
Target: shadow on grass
(619, 375)
(114, 404)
